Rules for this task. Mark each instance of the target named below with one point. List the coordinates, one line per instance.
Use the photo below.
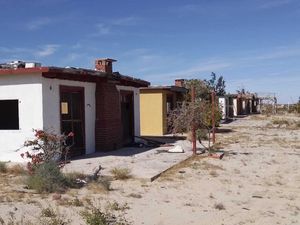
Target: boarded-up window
(9, 114)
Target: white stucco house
(100, 107)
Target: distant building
(233, 105)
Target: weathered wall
(51, 108)
(28, 90)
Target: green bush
(95, 217)
(48, 178)
(3, 167)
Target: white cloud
(26, 52)
(47, 50)
(280, 52)
(38, 23)
(274, 3)
(107, 27)
(102, 29)
(126, 21)
(194, 70)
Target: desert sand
(257, 182)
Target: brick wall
(108, 130)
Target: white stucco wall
(51, 108)
(28, 90)
(136, 98)
(235, 107)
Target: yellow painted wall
(164, 108)
(152, 115)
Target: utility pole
(213, 95)
(193, 125)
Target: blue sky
(254, 44)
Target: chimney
(179, 82)
(104, 65)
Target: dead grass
(284, 122)
(121, 173)
(209, 166)
(281, 121)
(99, 187)
(17, 170)
(259, 117)
(117, 206)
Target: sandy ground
(257, 182)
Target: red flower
(39, 133)
(71, 134)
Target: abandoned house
(99, 106)
(155, 104)
(233, 105)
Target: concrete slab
(144, 163)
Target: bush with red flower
(46, 147)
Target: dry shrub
(3, 167)
(75, 175)
(99, 186)
(121, 173)
(117, 207)
(49, 216)
(47, 178)
(95, 216)
(48, 212)
(280, 122)
(17, 169)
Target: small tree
(197, 114)
(216, 84)
(202, 91)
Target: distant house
(233, 105)
(100, 106)
(155, 103)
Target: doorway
(127, 114)
(72, 118)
